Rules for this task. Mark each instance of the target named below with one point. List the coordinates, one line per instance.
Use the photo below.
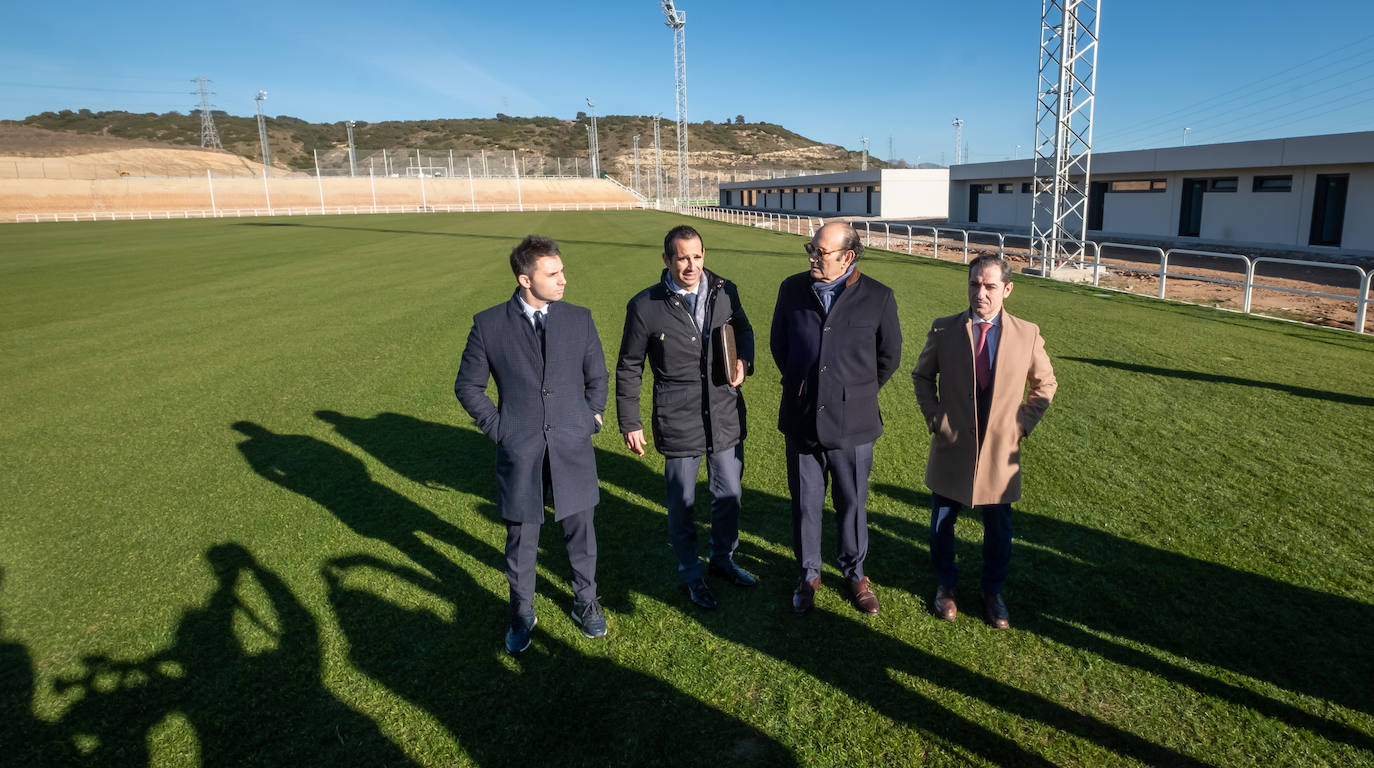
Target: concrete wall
(899, 193)
(1242, 217)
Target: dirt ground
(1190, 280)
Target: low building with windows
(909, 193)
(1303, 193)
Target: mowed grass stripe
(1191, 583)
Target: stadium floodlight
(262, 134)
(353, 159)
(958, 140)
(636, 144)
(658, 161)
(593, 148)
(1063, 131)
(1185, 136)
(677, 21)
(209, 137)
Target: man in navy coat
(550, 374)
(836, 341)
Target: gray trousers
(522, 548)
(808, 474)
(723, 471)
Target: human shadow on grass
(1180, 373)
(839, 651)
(1304, 641)
(555, 704)
(243, 672)
(25, 738)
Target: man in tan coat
(971, 383)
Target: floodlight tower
(209, 137)
(863, 162)
(1063, 130)
(262, 135)
(958, 140)
(677, 20)
(594, 146)
(352, 156)
(636, 144)
(658, 160)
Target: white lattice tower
(1063, 130)
(658, 160)
(637, 187)
(863, 162)
(209, 137)
(958, 140)
(677, 20)
(262, 135)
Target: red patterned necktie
(982, 360)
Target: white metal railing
(316, 210)
(881, 234)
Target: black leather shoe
(804, 598)
(733, 574)
(995, 611)
(945, 606)
(700, 594)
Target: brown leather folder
(723, 342)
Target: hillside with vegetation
(736, 144)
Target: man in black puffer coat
(698, 411)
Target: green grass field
(243, 521)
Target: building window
(1227, 184)
(810, 190)
(876, 188)
(1137, 185)
(1025, 187)
(1003, 189)
(832, 189)
(982, 188)
(1273, 184)
(853, 189)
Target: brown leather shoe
(804, 598)
(945, 607)
(995, 611)
(864, 598)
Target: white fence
(912, 236)
(316, 210)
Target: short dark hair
(530, 250)
(680, 232)
(990, 260)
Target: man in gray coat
(698, 410)
(550, 374)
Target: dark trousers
(808, 474)
(723, 471)
(522, 548)
(996, 542)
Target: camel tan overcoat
(945, 381)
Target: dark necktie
(982, 359)
(690, 299)
(539, 320)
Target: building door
(1097, 195)
(1190, 211)
(973, 202)
(1328, 209)
(868, 202)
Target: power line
(1231, 118)
(81, 88)
(1150, 127)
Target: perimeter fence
(1341, 293)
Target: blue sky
(1229, 70)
